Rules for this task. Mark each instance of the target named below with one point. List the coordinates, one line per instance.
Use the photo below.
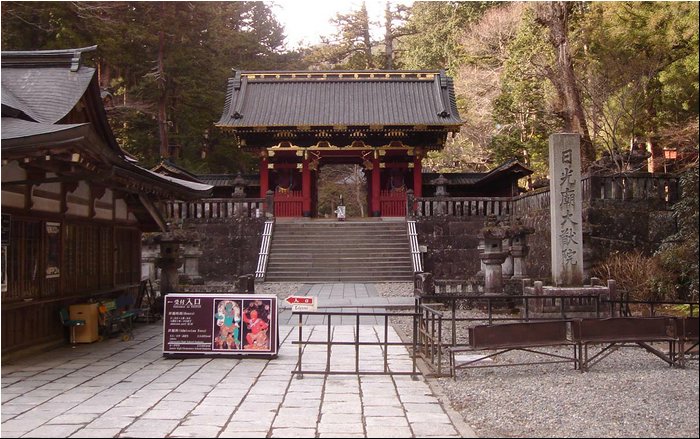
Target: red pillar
(306, 188)
(417, 176)
(264, 176)
(376, 181)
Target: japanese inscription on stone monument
(565, 192)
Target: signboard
(303, 303)
(220, 324)
(53, 239)
(6, 224)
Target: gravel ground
(631, 393)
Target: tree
(436, 29)
(165, 63)
(641, 75)
(555, 17)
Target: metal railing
(531, 310)
(330, 342)
(264, 249)
(429, 333)
(415, 249)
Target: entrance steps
(334, 251)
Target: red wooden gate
(392, 203)
(288, 204)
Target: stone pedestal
(168, 262)
(493, 257)
(519, 250)
(508, 263)
(150, 252)
(190, 268)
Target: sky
(307, 20)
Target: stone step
(337, 269)
(399, 258)
(344, 278)
(332, 251)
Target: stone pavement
(341, 297)
(127, 389)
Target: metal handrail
(415, 249)
(264, 249)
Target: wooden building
(296, 122)
(74, 204)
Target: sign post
(303, 303)
(233, 325)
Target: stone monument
(565, 209)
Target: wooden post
(264, 176)
(376, 186)
(306, 188)
(417, 176)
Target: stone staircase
(334, 251)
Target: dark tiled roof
(511, 167)
(39, 88)
(219, 180)
(13, 128)
(453, 178)
(166, 167)
(268, 99)
(47, 94)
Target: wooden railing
(462, 207)
(215, 208)
(289, 204)
(392, 203)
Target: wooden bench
(516, 337)
(618, 332)
(687, 329)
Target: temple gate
(385, 121)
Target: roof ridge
(46, 58)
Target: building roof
(41, 88)
(44, 95)
(340, 98)
(510, 169)
(227, 180)
(166, 167)
(13, 128)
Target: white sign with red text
(303, 303)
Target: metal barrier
(621, 307)
(300, 371)
(430, 337)
(565, 304)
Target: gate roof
(340, 99)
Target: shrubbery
(672, 272)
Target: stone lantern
(169, 261)
(190, 255)
(239, 186)
(440, 186)
(493, 255)
(519, 248)
(440, 192)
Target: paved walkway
(127, 389)
(341, 297)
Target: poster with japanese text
(220, 324)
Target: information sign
(220, 324)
